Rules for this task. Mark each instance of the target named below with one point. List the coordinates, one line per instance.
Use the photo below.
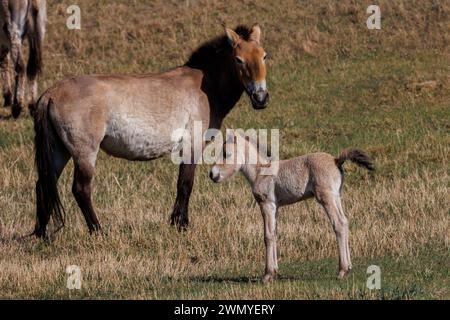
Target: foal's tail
(49, 203)
(357, 156)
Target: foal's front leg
(268, 210)
(180, 216)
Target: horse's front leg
(268, 210)
(180, 217)
(19, 92)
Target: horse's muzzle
(260, 99)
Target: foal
(317, 175)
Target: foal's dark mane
(211, 52)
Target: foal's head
(238, 151)
(250, 62)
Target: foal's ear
(255, 34)
(229, 137)
(233, 37)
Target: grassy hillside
(333, 84)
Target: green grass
(425, 276)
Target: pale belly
(141, 139)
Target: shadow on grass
(220, 279)
(17, 238)
(247, 279)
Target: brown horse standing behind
(133, 117)
(20, 19)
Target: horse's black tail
(35, 38)
(357, 156)
(47, 196)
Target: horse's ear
(233, 37)
(255, 34)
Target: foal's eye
(239, 60)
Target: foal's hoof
(343, 273)
(268, 278)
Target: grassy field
(333, 83)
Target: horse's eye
(239, 60)
(265, 57)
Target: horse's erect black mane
(206, 55)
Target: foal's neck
(252, 171)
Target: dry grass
(334, 84)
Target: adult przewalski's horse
(20, 19)
(133, 117)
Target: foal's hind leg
(344, 218)
(5, 76)
(82, 191)
(340, 226)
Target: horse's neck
(224, 90)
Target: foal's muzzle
(214, 175)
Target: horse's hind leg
(186, 176)
(82, 191)
(5, 76)
(35, 38)
(19, 94)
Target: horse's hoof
(31, 109)
(181, 223)
(99, 233)
(16, 111)
(7, 97)
(41, 236)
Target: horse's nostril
(260, 97)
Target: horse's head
(250, 61)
